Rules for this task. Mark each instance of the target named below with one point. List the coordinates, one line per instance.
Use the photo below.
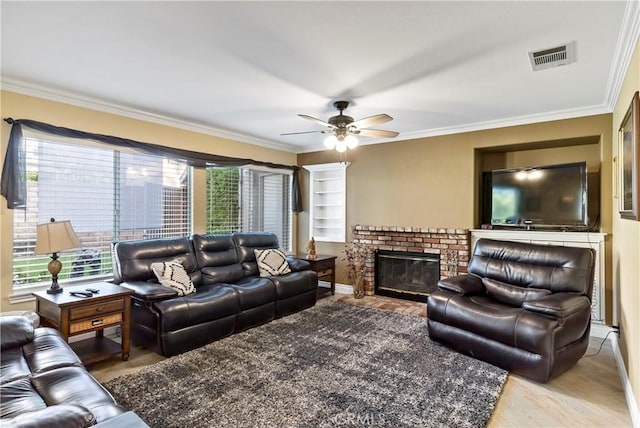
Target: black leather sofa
(523, 307)
(230, 295)
(44, 384)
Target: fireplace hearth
(406, 275)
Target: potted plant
(356, 255)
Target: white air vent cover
(552, 57)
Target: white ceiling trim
(629, 33)
(57, 95)
(482, 126)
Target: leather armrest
(463, 285)
(150, 290)
(59, 415)
(297, 265)
(559, 305)
(15, 331)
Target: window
(250, 200)
(108, 195)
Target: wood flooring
(589, 395)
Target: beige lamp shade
(56, 236)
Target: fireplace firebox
(406, 275)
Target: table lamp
(52, 238)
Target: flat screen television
(552, 196)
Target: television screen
(548, 196)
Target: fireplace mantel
(451, 244)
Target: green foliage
(223, 204)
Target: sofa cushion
(15, 331)
(208, 303)
(493, 320)
(512, 294)
(133, 259)
(62, 415)
(272, 262)
(246, 242)
(253, 291)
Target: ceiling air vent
(552, 57)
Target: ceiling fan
(343, 129)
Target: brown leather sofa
(44, 384)
(523, 307)
(230, 295)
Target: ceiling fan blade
(377, 133)
(305, 132)
(316, 120)
(366, 122)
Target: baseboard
(632, 404)
(600, 330)
(340, 288)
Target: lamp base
(54, 290)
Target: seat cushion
(47, 351)
(208, 303)
(511, 326)
(254, 291)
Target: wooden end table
(73, 315)
(324, 266)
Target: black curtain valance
(13, 183)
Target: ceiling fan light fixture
(341, 146)
(330, 142)
(351, 141)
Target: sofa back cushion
(246, 242)
(554, 268)
(133, 259)
(512, 295)
(217, 258)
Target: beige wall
(24, 107)
(431, 182)
(626, 249)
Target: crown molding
(57, 95)
(483, 126)
(629, 33)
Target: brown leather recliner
(523, 307)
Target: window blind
(108, 196)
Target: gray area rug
(331, 365)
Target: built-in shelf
(327, 205)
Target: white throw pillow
(172, 274)
(272, 262)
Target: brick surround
(451, 244)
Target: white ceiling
(244, 70)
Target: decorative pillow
(272, 262)
(172, 274)
(511, 294)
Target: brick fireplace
(452, 245)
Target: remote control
(80, 294)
